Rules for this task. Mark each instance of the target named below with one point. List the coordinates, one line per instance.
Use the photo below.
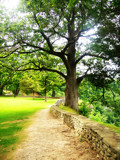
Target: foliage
(5, 78)
(14, 86)
(88, 92)
(108, 38)
(104, 114)
(14, 116)
(84, 109)
(112, 102)
(47, 37)
(42, 83)
(98, 113)
(29, 83)
(105, 109)
(50, 82)
(26, 85)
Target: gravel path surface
(49, 139)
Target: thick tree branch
(2, 47)
(15, 69)
(48, 41)
(65, 62)
(59, 19)
(43, 34)
(28, 69)
(87, 29)
(42, 49)
(38, 68)
(42, 69)
(48, 69)
(67, 46)
(52, 70)
(34, 46)
(89, 35)
(58, 33)
(91, 55)
(75, 38)
(79, 79)
(78, 32)
(9, 53)
(27, 52)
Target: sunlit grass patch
(14, 116)
(112, 127)
(68, 109)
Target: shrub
(98, 117)
(104, 114)
(83, 109)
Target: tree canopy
(46, 36)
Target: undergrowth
(98, 113)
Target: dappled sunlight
(10, 4)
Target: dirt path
(49, 139)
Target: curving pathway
(49, 139)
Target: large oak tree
(45, 24)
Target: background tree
(28, 84)
(92, 93)
(50, 82)
(5, 78)
(14, 86)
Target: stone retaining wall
(101, 139)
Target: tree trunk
(1, 90)
(33, 95)
(103, 92)
(53, 93)
(16, 92)
(45, 89)
(71, 92)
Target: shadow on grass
(8, 137)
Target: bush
(98, 117)
(83, 109)
(104, 114)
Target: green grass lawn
(14, 116)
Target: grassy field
(14, 116)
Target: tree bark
(71, 92)
(33, 95)
(1, 90)
(45, 89)
(53, 93)
(16, 92)
(103, 92)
